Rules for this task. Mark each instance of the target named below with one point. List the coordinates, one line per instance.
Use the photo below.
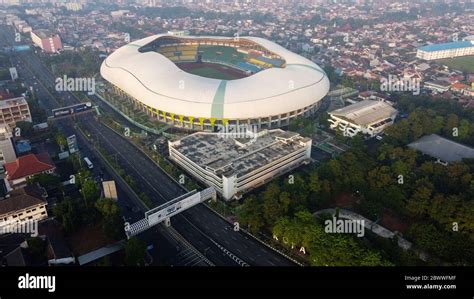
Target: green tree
(419, 202)
(47, 181)
(250, 214)
(90, 191)
(68, 213)
(26, 129)
(61, 141)
(113, 224)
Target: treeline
(82, 63)
(325, 249)
(436, 199)
(427, 116)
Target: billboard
(72, 144)
(174, 209)
(72, 109)
(13, 73)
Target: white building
(437, 86)
(22, 205)
(366, 117)
(446, 50)
(235, 165)
(14, 110)
(7, 150)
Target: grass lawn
(465, 63)
(210, 72)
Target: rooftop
(447, 46)
(5, 103)
(42, 33)
(442, 148)
(21, 199)
(28, 165)
(365, 112)
(238, 156)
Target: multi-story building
(14, 110)
(7, 150)
(235, 165)
(47, 41)
(446, 50)
(437, 86)
(366, 117)
(23, 205)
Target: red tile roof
(28, 165)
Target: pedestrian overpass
(169, 209)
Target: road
(168, 249)
(207, 232)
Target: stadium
(198, 82)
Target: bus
(88, 162)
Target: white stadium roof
(154, 80)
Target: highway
(169, 248)
(211, 235)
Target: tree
(61, 141)
(275, 207)
(68, 212)
(112, 225)
(418, 204)
(47, 181)
(135, 251)
(314, 183)
(250, 214)
(26, 129)
(451, 122)
(90, 191)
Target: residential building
(25, 167)
(7, 150)
(13, 110)
(23, 205)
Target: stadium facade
(276, 85)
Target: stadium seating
(247, 60)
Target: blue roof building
(446, 50)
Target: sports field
(212, 70)
(465, 63)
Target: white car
(378, 137)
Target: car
(378, 137)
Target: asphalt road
(168, 249)
(207, 232)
